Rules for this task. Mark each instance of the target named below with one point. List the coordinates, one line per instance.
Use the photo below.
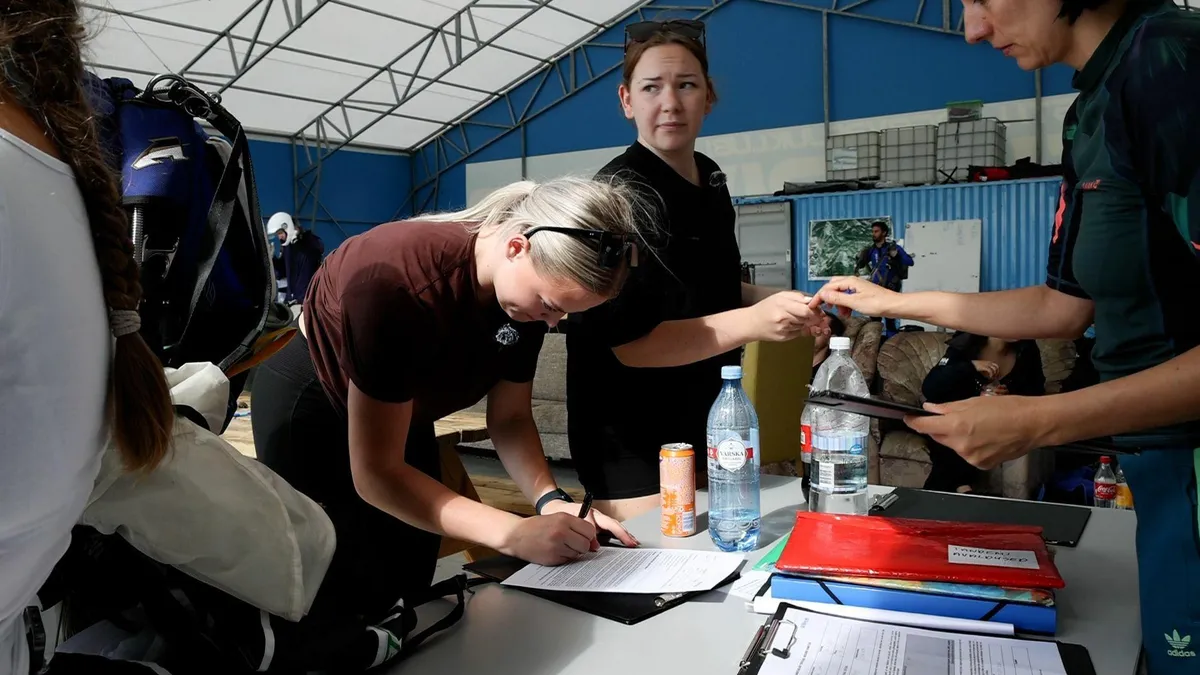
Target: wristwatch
(550, 496)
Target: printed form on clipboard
(801, 642)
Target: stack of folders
(982, 572)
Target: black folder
(626, 608)
(1062, 525)
(1075, 658)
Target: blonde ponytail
(490, 210)
(608, 205)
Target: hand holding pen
(600, 523)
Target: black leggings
(949, 470)
(301, 436)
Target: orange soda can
(677, 486)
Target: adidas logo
(1179, 645)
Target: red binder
(921, 550)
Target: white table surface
(508, 632)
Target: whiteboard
(946, 256)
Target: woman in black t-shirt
(644, 369)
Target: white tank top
(55, 349)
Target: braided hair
(41, 44)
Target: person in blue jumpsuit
(1124, 255)
(887, 262)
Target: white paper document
(818, 644)
(749, 584)
(633, 570)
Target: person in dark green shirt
(1124, 255)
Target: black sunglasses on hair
(611, 248)
(644, 30)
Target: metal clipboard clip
(762, 643)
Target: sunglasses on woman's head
(611, 248)
(644, 30)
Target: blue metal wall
(359, 190)
(1017, 216)
(766, 62)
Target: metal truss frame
(331, 130)
(576, 66)
(446, 150)
(460, 40)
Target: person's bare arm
(752, 294)
(511, 428)
(987, 431)
(519, 446)
(1036, 312)
(1161, 396)
(677, 343)
(781, 316)
(383, 479)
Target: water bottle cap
(839, 343)
(731, 372)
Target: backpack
(897, 266)
(208, 285)
(132, 610)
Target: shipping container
(1017, 219)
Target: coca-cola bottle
(1105, 486)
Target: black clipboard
(626, 608)
(1075, 658)
(1062, 524)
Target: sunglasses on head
(611, 248)
(644, 30)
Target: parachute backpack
(207, 277)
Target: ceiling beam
(430, 146)
(436, 35)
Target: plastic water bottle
(1124, 494)
(840, 439)
(1104, 489)
(806, 424)
(734, 512)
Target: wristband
(550, 496)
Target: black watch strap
(550, 496)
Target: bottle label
(806, 443)
(1106, 491)
(1124, 497)
(855, 445)
(731, 453)
(825, 475)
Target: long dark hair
(971, 344)
(41, 44)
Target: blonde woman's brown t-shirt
(396, 310)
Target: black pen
(587, 505)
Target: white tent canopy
(385, 73)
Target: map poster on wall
(834, 245)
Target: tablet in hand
(866, 405)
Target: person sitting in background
(837, 328)
(976, 365)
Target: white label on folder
(967, 555)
